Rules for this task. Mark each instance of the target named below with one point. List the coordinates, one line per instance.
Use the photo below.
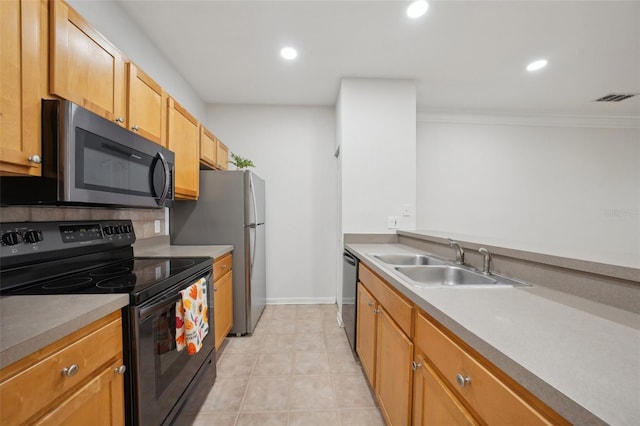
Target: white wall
(563, 190)
(292, 148)
(108, 17)
(378, 146)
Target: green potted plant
(241, 163)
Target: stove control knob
(118, 229)
(33, 236)
(108, 230)
(127, 229)
(10, 238)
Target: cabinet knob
(135, 128)
(35, 159)
(120, 370)
(463, 380)
(376, 311)
(215, 289)
(224, 266)
(370, 304)
(120, 119)
(70, 371)
(415, 365)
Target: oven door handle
(158, 305)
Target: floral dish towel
(192, 321)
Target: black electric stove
(162, 382)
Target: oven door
(161, 372)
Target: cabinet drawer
(42, 371)
(398, 308)
(487, 395)
(221, 266)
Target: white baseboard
(301, 300)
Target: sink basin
(424, 276)
(407, 259)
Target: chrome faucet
(487, 260)
(458, 250)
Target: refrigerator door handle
(253, 251)
(253, 196)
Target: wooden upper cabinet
(208, 149)
(22, 44)
(85, 68)
(222, 155)
(146, 106)
(183, 139)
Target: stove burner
(68, 283)
(180, 264)
(121, 281)
(110, 270)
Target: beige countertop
(178, 251)
(580, 357)
(29, 323)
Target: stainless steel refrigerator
(230, 210)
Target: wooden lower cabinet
(394, 353)
(222, 298)
(366, 331)
(36, 390)
(385, 350)
(433, 403)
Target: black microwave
(89, 160)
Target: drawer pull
(119, 120)
(415, 365)
(135, 128)
(120, 370)
(463, 380)
(376, 311)
(70, 371)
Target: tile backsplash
(143, 219)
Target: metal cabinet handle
(463, 380)
(224, 266)
(35, 159)
(120, 370)
(376, 311)
(370, 304)
(135, 128)
(215, 289)
(415, 365)
(119, 120)
(70, 371)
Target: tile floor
(296, 369)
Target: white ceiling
(463, 55)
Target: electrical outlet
(393, 222)
(157, 226)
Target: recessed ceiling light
(289, 53)
(537, 65)
(417, 9)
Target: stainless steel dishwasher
(349, 293)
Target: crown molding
(539, 120)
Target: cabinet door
(433, 402)
(99, 402)
(208, 148)
(85, 68)
(366, 331)
(146, 105)
(394, 353)
(222, 155)
(182, 139)
(223, 306)
(20, 62)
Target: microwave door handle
(167, 179)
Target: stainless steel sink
(408, 259)
(444, 275)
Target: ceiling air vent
(616, 97)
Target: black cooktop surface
(141, 277)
